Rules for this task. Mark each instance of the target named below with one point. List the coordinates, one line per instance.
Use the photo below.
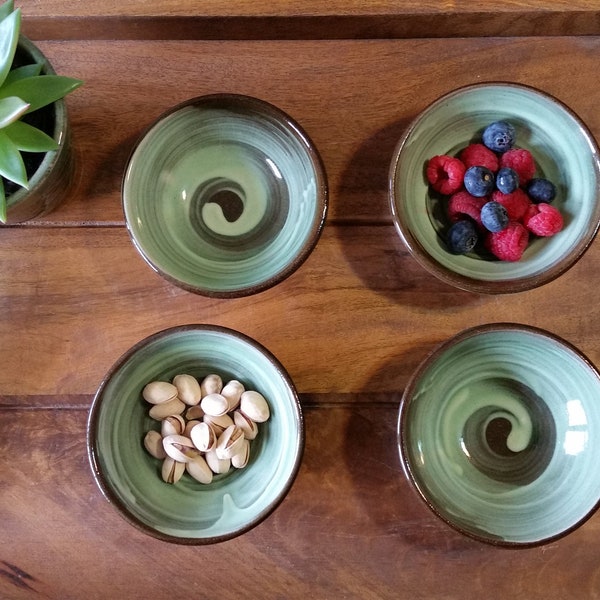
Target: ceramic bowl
(499, 430)
(190, 512)
(225, 195)
(564, 150)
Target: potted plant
(34, 139)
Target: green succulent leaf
(22, 72)
(11, 109)
(10, 27)
(12, 166)
(6, 9)
(2, 202)
(28, 138)
(42, 90)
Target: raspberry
(445, 174)
(515, 203)
(462, 205)
(543, 219)
(477, 155)
(521, 161)
(508, 244)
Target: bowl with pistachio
(195, 434)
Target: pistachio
(189, 426)
(198, 468)
(230, 442)
(194, 412)
(172, 470)
(188, 389)
(166, 409)
(153, 444)
(233, 391)
(211, 384)
(254, 406)
(248, 426)
(157, 392)
(203, 436)
(214, 405)
(172, 425)
(217, 465)
(240, 459)
(178, 447)
(220, 424)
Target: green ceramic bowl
(189, 512)
(225, 195)
(499, 430)
(565, 153)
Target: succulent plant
(23, 90)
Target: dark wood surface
(350, 325)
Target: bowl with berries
(495, 188)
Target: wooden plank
(311, 19)
(330, 92)
(358, 316)
(350, 527)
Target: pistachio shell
(220, 424)
(217, 465)
(157, 392)
(254, 405)
(203, 436)
(153, 444)
(240, 460)
(166, 409)
(172, 425)
(214, 405)
(188, 389)
(233, 391)
(194, 412)
(230, 442)
(211, 384)
(198, 468)
(178, 447)
(172, 470)
(248, 426)
(189, 426)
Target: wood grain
(310, 19)
(329, 92)
(351, 527)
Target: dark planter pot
(49, 173)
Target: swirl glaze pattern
(499, 430)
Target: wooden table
(350, 325)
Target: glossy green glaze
(565, 153)
(225, 195)
(500, 431)
(190, 512)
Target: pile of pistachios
(205, 426)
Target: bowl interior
(224, 195)
(564, 151)
(189, 511)
(499, 430)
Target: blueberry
(540, 190)
(499, 136)
(494, 216)
(507, 180)
(461, 237)
(479, 181)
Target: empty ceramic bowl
(190, 512)
(564, 152)
(499, 430)
(225, 195)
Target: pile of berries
(493, 197)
